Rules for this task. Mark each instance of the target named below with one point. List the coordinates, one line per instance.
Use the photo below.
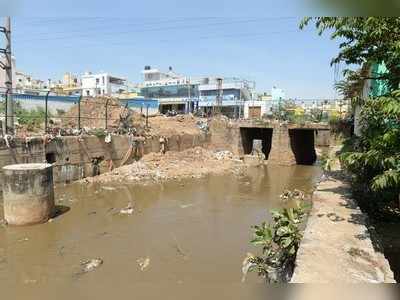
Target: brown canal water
(191, 234)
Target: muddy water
(193, 234)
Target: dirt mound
(191, 163)
(93, 114)
(167, 126)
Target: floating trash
(246, 265)
(143, 263)
(108, 188)
(127, 210)
(90, 265)
(186, 205)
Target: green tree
(365, 40)
(33, 118)
(374, 158)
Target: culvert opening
(250, 134)
(50, 157)
(302, 144)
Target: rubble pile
(191, 163)
(224, 154)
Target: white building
(102, 84)
(256, 109)
(26, 84)
(184, 94)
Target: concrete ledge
(337, 247)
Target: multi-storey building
(102, 84)
(226, 93)
(184, 94)
(173, 91)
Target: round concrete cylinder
(28, 193)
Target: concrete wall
(281, 150)
(263, 105)
(226, 134)
(322, 138)
(72, 158)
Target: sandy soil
(192, 163)
(166, 126)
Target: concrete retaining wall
(225, 134)
(72, 158)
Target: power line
(138, 44)
(102, 27)
(151, 30)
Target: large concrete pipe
(28, 193)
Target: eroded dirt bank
(191, 163)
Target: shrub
(374, 158)
(279, 241)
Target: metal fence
(46, 111)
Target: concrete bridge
(284, 144)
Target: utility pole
(7, 66)
(219, 96)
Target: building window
(103, 82)
(87, 93)
(103, 89)
(97, 80)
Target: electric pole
(219, 96)
(189, 96)
(7, 66)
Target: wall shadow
(302, 143)
(249, 134)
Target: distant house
(102, 84)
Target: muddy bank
(191, 163)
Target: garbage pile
(223, 155)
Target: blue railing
(28, 97)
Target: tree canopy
(364, 41)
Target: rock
(222, 155)
(253, 160)
(91, 265)
(127, 210)
(108, 188)
(143, 263)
